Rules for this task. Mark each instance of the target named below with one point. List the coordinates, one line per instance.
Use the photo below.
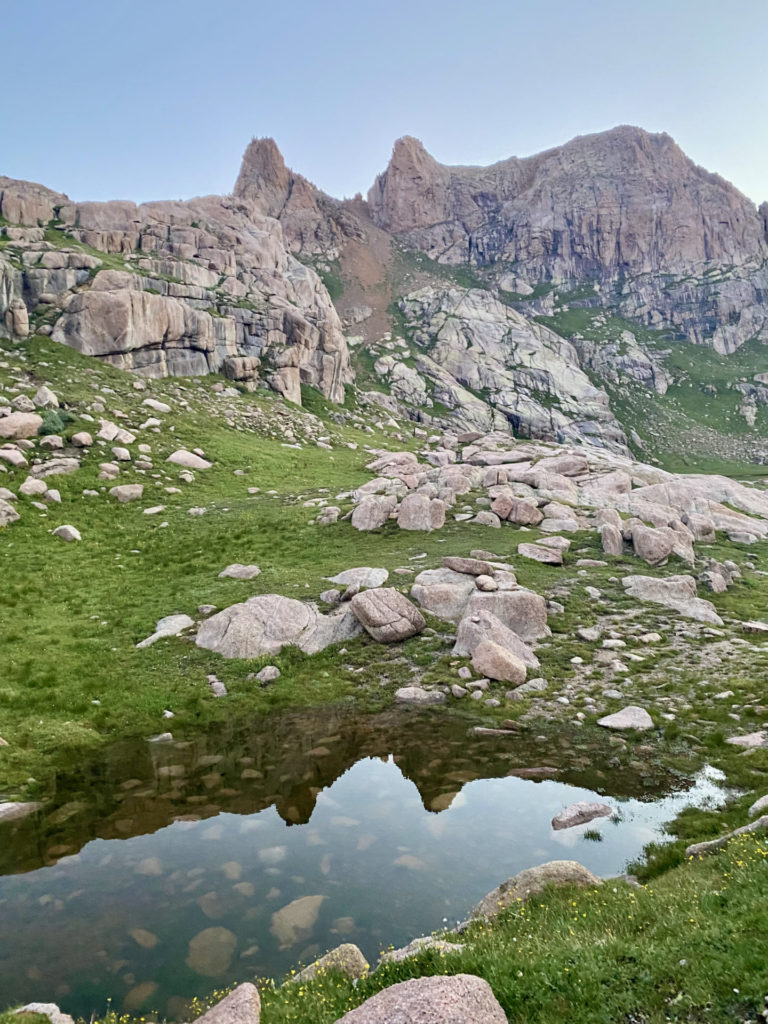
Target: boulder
(55, 467)
(238, 571)
(13, 456)
(8, 513)
(345, 959)
(630, 717)
(20, 425)
(441, 999)
(32, 487)
(44, 398)
(653, 546)
(516, 510)
(540, 553)
(364, 576)
(417, 695)
(67, 532)
(711, 846)
(469, 566)
(611, 539)
(483, 625)
(387, 615)
(267, 623)
(443, 592)
(171, 625)
(702, 527)
(416, 946)
(296, 921)
(211, 951)
(522, 611)
(241, 1006)
(677, 592)
(420, 512)
(373, 511)
(188, 460)
(126, 492)
(49, 1010)
(82, 439)
(268, 674)
(579, 814)
(528, 883)
(492, 660)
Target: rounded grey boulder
(387, 615)
(460, 999)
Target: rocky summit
(433, 525)
(551, 296)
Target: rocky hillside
(567, 296)
(625, 209)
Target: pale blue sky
(154, 99)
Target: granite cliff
(463, 291)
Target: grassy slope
(696, 426)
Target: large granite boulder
(496, 662)
(442, 999)
(677, 592)
(267, 623)
(483, 625)
(373, 511)
(443, 592)
(530, 882)
(387, 615)
(522, 611)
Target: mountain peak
(263, 174)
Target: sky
(157, 99)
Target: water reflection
(172, 869)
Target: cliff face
(620, 202)
(669, 243)
(221, 283)
(312, 222)
(192, 287)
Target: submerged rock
(211, 952)
(296, 921)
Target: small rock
(237, 571)
(67, 533)
(630, 717)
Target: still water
(168, 869)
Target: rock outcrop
(618, 206)
(195, 287)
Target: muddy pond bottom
(165, 870)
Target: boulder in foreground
(241, 1006)
(460, 999)
(531, 881)
(346, 959)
